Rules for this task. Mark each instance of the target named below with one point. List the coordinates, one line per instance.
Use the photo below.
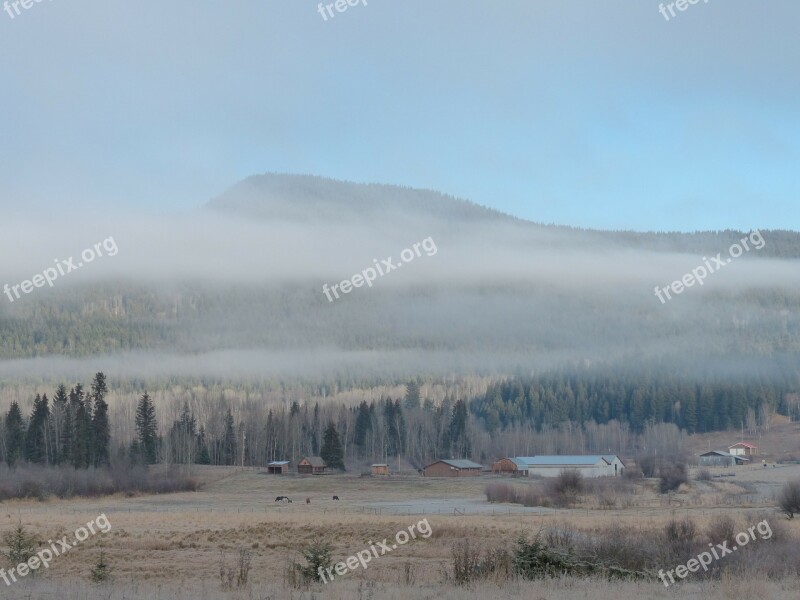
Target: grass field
(173, 545)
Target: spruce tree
(229, 444)
(101, 434)
(62, 426)
(147, 430)
(36, 438)
(15, 435)
(332, 452)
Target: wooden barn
(516, 467)
(380, 470)
(452, 468)
(278, 467)
(312, 465)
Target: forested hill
(491, 294)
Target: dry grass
(172, 542)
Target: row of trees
(73, 429)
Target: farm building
(720, 458)
(517, 467)
(588, 466)
(743, 449)
(312, 465)
(452, 468)
(278, 467)
(380, 470)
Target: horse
(308, 500)
(282, 499)
(336, 497)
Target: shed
(743, 449)
(312, 465)
(278, 467)
(720, 458)
(452, 468)
(380, 469)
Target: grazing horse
(336, 497)
(308, 500)
(282, 499)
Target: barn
(589, 466)
(278, 467)
(312, 465)
(516, 467)
(380, 470)
(720, 458)
(452, 468)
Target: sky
(597, 114)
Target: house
(278, 467)
(720, 458)
(380, 470)
(743, 449)
(589, 466)
(312, 465)
(452, 468)
(516, 467)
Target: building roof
(315, 461)
(745, 444)
(380, 465)
(565, 460)
(717, 453)
(278, 463)
(459, 464)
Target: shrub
(235, 577)
(703, 475)
(679, 537)
(469, 565)
(789, 498)
(648, 465)
(672, 476)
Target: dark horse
(336, 497)
(282, 499)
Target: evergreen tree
(147, 430)
(62, 426)
(36, 438)
(412, 394)
(458, 430)
(15, 435)
(81, 428)
(363, 425)
(101, 434)
(229, 445)
(203, 457)
(332, 452)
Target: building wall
(441, 469)
(588, 472)
(715, 461)
(380, 470)
(504, 465)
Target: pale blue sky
(579, 112)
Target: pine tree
(101, 434)
(15, 435)
(202, 448)
(229, 444)
(147, 430)
(363, 425)
(62, 426)
(36, 438)
(332, 452)
(81, 428)
(412, 394)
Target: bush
(703, 475)
(789, 498)
(101, 572)
(648, 465)
(679, 538)
(672, 477)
